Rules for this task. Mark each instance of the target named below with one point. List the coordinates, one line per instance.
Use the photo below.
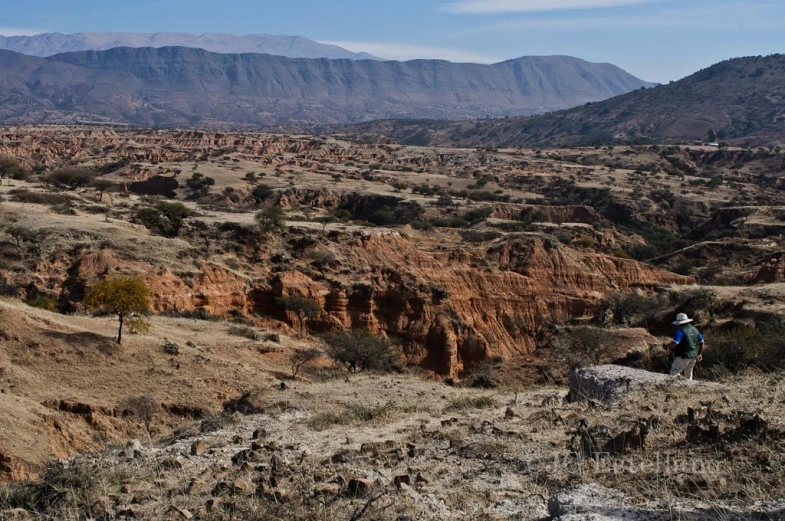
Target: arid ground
(492, 273)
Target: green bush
(270, 221)
(164, 218)
(359, 350)
(43, 302)
(12, 169)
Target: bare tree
(303, 357)
(144, 407)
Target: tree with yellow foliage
(121, 296)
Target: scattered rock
(172, 463)
(102, 508)
(196, 487)
(198, 448)
(259, 434)
(402, 480)
(181, 512)
(360, 487)
(423, 478)
(130, 512)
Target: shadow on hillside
(86, 339)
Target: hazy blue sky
(658, 40)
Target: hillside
(176, 86)
(472, 282)
(49, 44)
(741, 100)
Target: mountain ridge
(740, 100)
(50, 44)
(177, 86)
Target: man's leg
(679, 364)
(689, 368)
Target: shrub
(61, 487)
(199, 185)
(302, 357)
(304, 308)
(165, 218)
(19, 234)
(270, 221)
(262, 192)
(359, 350)
(43, 302)
(170, 348)
(486, 374)
(465, 403)
(352, 413)
(144, 407)
(585, 346)
(246, 332)
(71, 178)
(632, 309)
(28, 197)
(12, 169)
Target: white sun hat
(682, 319)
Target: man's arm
(701, 347)
(673, 344)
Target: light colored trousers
(683, 366)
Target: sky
(656, 40)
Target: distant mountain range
(740, 100)
(184, 87)
(49, 44)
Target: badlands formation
(493, 273)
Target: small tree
(303, 357)
(122, 296)
(324, 220)
(303, 307)
(18, 233)
(175, 214)
(270, 221)
(261, 192)
(101, 186)
(712, 136)
(165, 218)
(360, 350)
(143, 407)
(586, 346)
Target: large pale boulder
(609, 383)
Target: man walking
(687, 345)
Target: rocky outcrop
(559, 214)
(451, 308)
(771, 269)
(610, 383)
(592, 501)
